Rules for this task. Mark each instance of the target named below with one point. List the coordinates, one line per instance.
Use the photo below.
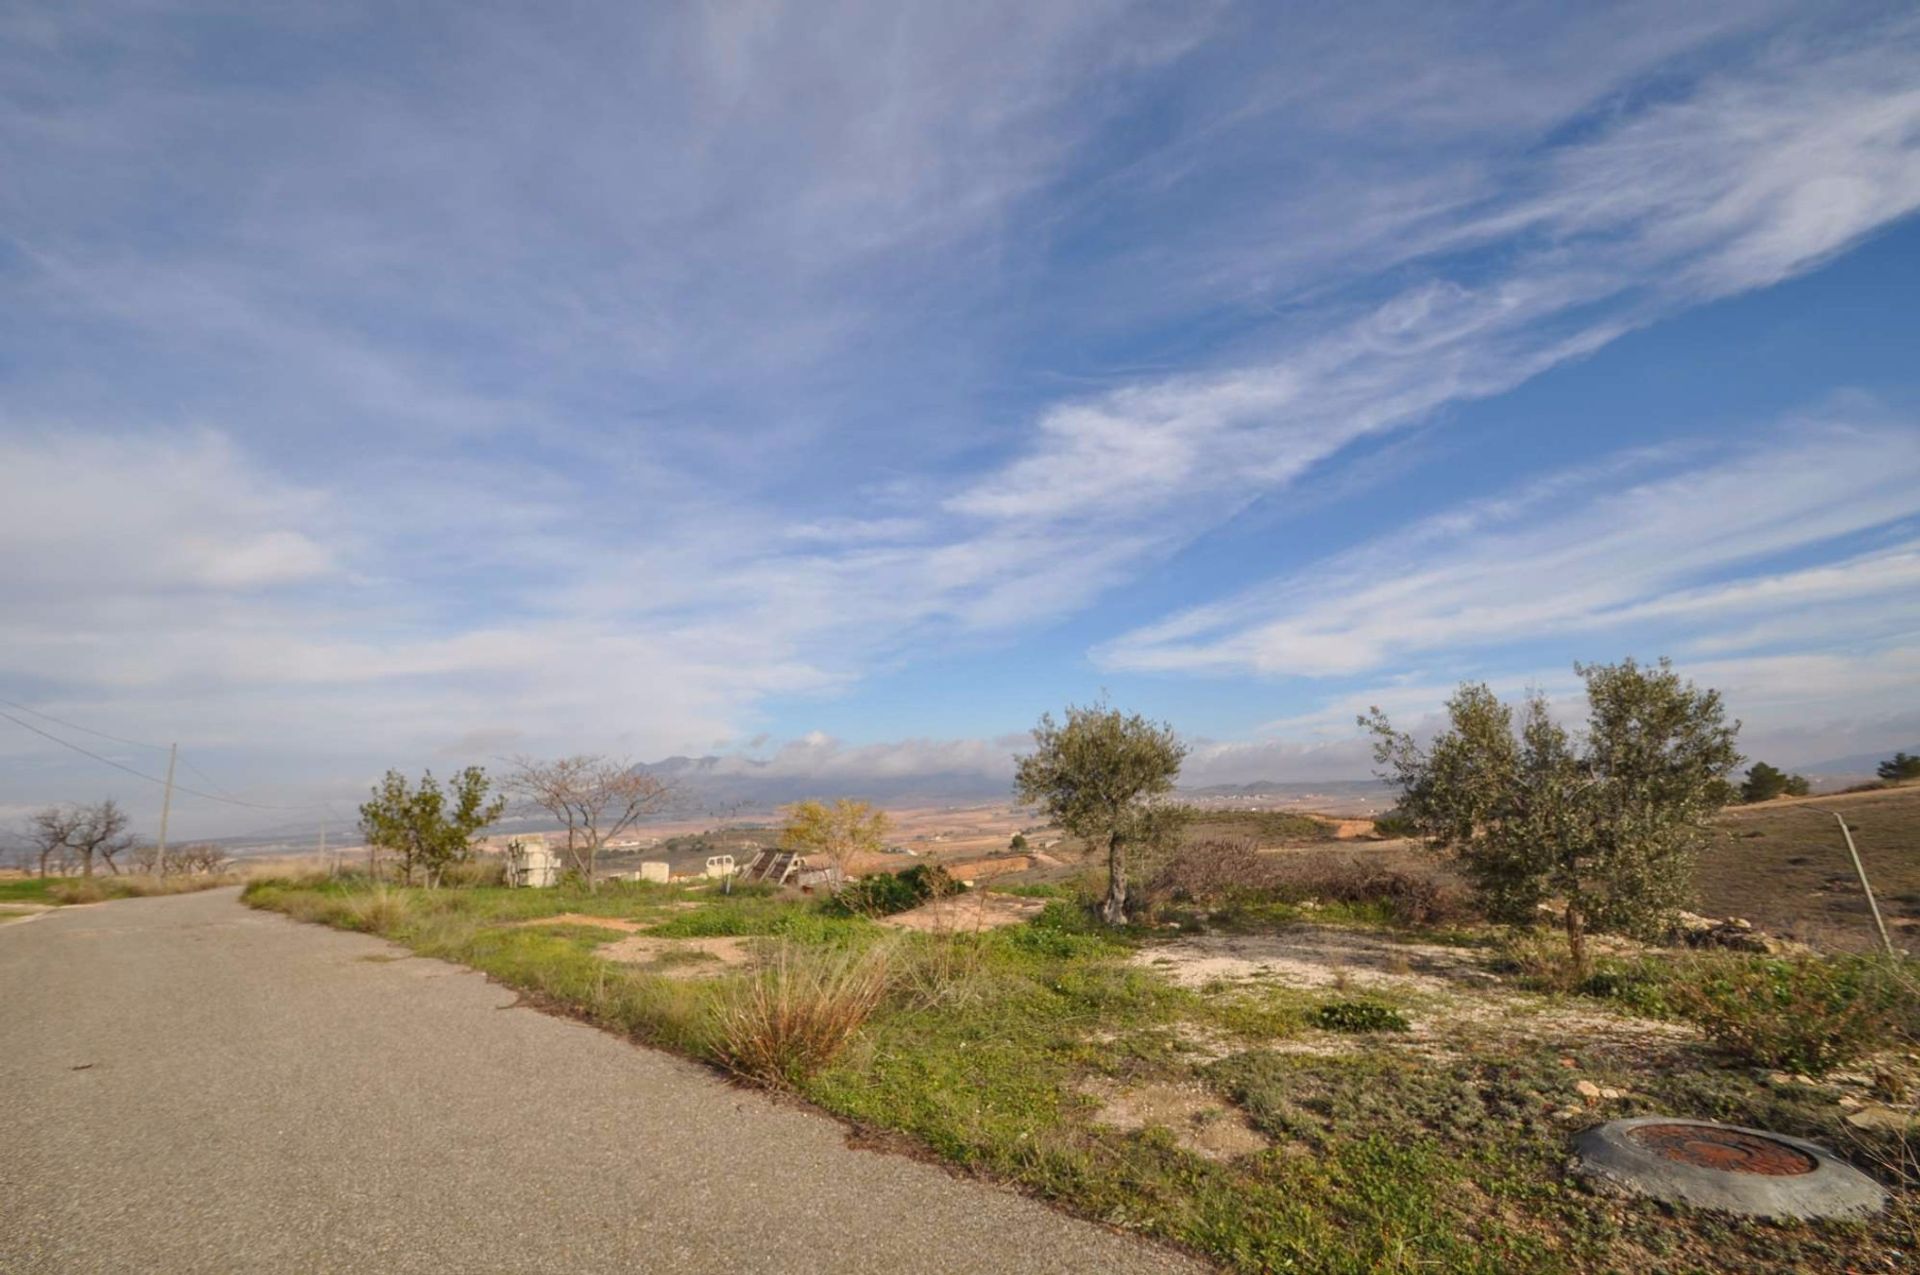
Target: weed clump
(1357, 1016)
(1805, 1015)
(788, 1022)
(380, 910)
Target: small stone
(1612, 1095)
(1568, 1063)
(1849, 1101)
(1587, 1089)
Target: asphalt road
(188, 1085)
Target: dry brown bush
(796, 1016)
(1214, 871)
(1410, 895)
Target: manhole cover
(1719, 1166)
(1728, 1150)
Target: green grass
(102, 887)
(1385, 1156)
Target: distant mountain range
(727, 783)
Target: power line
(228, 801)
(84, 730)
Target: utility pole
(1865, 886)
(166, 807)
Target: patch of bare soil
(1316, 956)
(597, 922)
(680, 958)
(966, 913)
(1199, 1121)
(1462, 999)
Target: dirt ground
(680, 958)
(1198, 1120)
(964, 913)
(1316, 956)
(1783, 865)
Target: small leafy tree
(1764, 783)
(1899, 769)
(1103, 775)
(839, 831)
(1018, 842)
(428, 826)
(1609, 822)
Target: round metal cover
(1726, 1167)
(1726, 1149)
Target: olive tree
(595, 799)
(839, 831)
(1608, 821)
(1104, 776)
(428, 826)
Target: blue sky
(844, 385)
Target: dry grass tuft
(380, 910)
(129, 886)
(796, 1016)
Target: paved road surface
(191, 1086)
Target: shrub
(1357, 1016)
(477, 872)
(1067, 916)
(1394, 824)
(885, 893)
(1214, 871)
(1542, 960)
(1804, 1015)
(1407, 898)
(782, 1026)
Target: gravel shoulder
(193, 1086)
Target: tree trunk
(1577, 941)
(44, 856)
(1114, 911)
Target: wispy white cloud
(1656, 551)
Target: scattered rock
(1587, 1089)
(1878, 1115)
(1733, 933)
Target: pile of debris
(1733, 933)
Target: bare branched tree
(200, 859)
(69, 833)
(595, 798)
